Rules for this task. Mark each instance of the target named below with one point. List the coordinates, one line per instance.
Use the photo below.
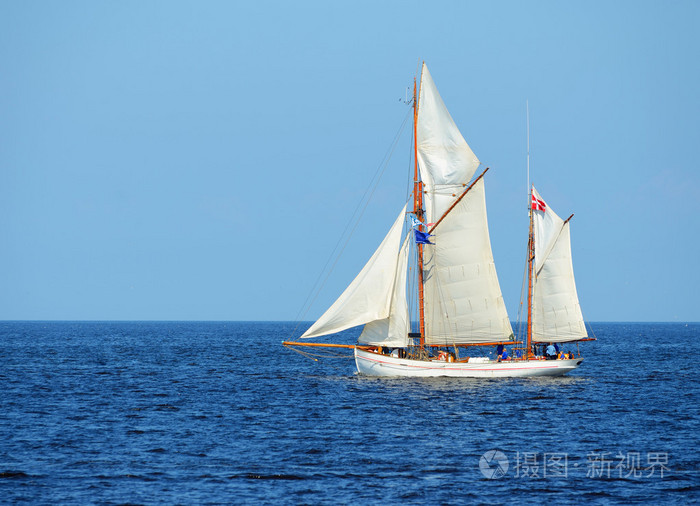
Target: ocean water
(114, 413)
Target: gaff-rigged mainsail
(463, 300)
(372, 293)
(556, 312)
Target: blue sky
(199, 160)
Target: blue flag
(422, 237)
(415, 222)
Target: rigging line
(347, 241)
(590, 327)
(320, 355)
(409, 179)
(303, 353)
(522, 296)
(374, 182)
(385, 160)
(586, 323)
(413, 284)
(443, 303)
(551, 247)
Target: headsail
(393, 330)
(369, 296)
(556, 312)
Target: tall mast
(527, 114)
(530, 242)
(418, 210)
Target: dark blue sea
(114, 413)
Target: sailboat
(460, 308)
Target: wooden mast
(418, 210)
(530, 249)
(530, 258)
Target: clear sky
(199, 160)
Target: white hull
(374, 364)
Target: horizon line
(68, 320)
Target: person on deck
(503, 356)
(551, 352)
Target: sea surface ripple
(197, 412)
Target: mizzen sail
(556, 312)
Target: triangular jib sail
(393, 330)
(556, 312)
(372, 293)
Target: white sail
(459, 295)
(463, 300)
(392, 331)
(368, 298)
(556, 312)
(446, 161)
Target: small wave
(138, 477)
(255, 476)
(166, 407)
(690, 488)
(596, 494)
(13, 474)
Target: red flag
(537, 204)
